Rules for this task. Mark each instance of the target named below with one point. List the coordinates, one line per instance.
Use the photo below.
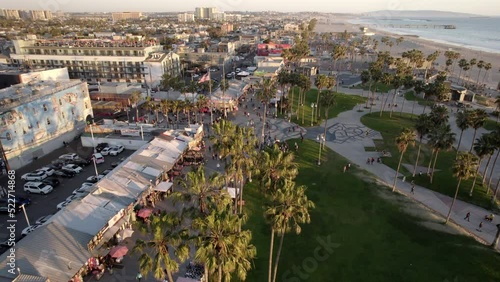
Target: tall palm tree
(289, 208)
(199, 188)
(462, 63)
(497, 107)
(463, 168)
(224, 86)
(165, 107)
(134, 99)
(320, 83)
(477, 119)
(305, 85)
(463, 122)
(339, 52)
(327, 100)
(223, 133)
(201, 102)
(176, 107)
(266, 90)
(283, 81)
(188, 107)
(441, 139)
(495, 140)
(164, 247)
(220, 246)
(487, 67)
(274, 167)
(423, 126)
(431, 58)
(482, 147)
(480, 66)
(406, 138)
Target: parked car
(101, 146)
(19, 201)
(72, 167)
(43, 219)
(80, 162)
(34, 176)
(54, 182)
(37, 188)
(95, 178)
(87, 184)
(105, 151)
(64, 173)
(70, 156)
(47, 170)
(99, 159)
(230, 74)
(56, 166)
(115, 150)
(82, 191)
(62, 205)
(29, 229)
(106, 171)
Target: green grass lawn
(410, 96)
(443, 182)
(491, 124)
(344, 103)
(378, 87)
(374, 239)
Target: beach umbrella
(144, 213)
(118, 251)
(126, 233)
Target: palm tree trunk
(475, 178)
(402, 107)
(473, 138)
(369, 91)
(460, 141)
(271, 250)
(430, 162)
(477, 80)
(485, 172)
(317, 102)
(326, 120)
(497, 237)
(418, 156)
(278, 256)
(454, 199)
(434, 165)
(205, 270)
(393, 100)
(169, 275)
(220, 272)
(491, 173)
(241, 196)
(264, 122)
(495, 193)
(385, 102)
(413, 107)
(298, 104)
(397, 172)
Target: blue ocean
(478, 33)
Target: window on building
(48, 121)
(44, 107)
(8, 136)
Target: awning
(163, 186)
(108, 234)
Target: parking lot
(42, 205)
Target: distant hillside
(417, 14)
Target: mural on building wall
(44, 118)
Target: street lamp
(25, 214)
(313, 106)
(321, 139)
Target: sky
(480, 7)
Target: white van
(99, 158)
(37, 188)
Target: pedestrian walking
(480, 226)
(467, 216)
(348, 166)
(345, 168)
(413, 187)
(138, 276)
(372, 160)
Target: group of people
(372, 160)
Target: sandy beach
(492, 78)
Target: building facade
(10, 14)
(39, 112)
(125, 16)
(205, 13)
(161, 63)
(26, 14)
(185, 17)
(92, 60)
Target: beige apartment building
(125, 16)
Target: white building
(185, 17)
(94, 60)
(37, 116)
(205, 12)
(125, 16)
(10, 14)
(161, 63)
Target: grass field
(491, 125)
(410, 96)
(377, 87)
(373, 238)
(443, 182)
(344, 103)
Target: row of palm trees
(466, 66)
(212, 222)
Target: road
(42, 205)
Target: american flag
(205, 78)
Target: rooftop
(94, 43)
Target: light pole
(25, 214)
(321, 139)
(313, 106)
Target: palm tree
(440, 138)
(339, 52)
(487, 67)
(283, 80)
(199, 189)
(431, 58)
(224, 86)
(188, 107)
(305, 85)
(495, 140)
(266, 90)
(166, 238)
(327, 100)
(423, 126)
(223, 133)
(201, 102)
(480, 66)
(497, 107)
(462, 63)
(494, 244)
(176, 107)
(320, 83)
(165, 107)
(482, 147)
(463, 168)
(221, 247)
(463, 122)
(289, 208)
(477, 119)
(399, 40)
(406, 138)
(439, 115)
(134, 99)
(274, 167)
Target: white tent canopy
(163, 186)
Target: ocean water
(478, 33)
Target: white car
(29, 229)
(73, 168)
(105, 151)
(94, 178)
(34, 176)
(47, 170)
(116, 150)
(74, 197)
(81, 191)
(71, 156)
(37, 188)
(62, 205)
(43, 219)
(87, 184)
